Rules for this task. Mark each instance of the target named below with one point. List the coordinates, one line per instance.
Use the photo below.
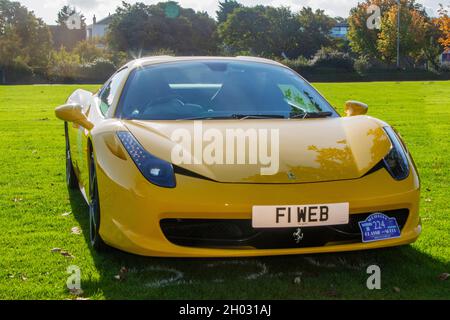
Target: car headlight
(396, 162)
(155, 170)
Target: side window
(109, 91)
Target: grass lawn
(33, 199)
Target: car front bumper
(132, 208)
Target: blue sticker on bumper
(379, 227)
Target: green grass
(33, 198)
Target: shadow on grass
(413, 274)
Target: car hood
(310, 150)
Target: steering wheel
(171, 104)
(164, 100)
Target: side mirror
(73, 113)
(355, 108)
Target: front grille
(223, 233)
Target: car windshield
(219, 89)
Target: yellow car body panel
(133, 208)
(328, 170)
(306, 146)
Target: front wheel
(94, 209)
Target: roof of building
(105, 21)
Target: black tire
(94, 209)
(71, 178)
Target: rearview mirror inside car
(73, 113)
(355, 108)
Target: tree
(24, 38)
(276, 32)
(65, 13)
(443, 23)
(88, 51)
(315, 27)
(64, 65)
(225, 9)
(284, 35)
(261, 30)
(364, 40)
(414, 26)
(145, 28)
(246, 31)
(417, 32)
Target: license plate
(314, 215)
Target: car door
(75, 132)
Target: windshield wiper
(206, 118)
(257, 116)
(311, 115)
(238, 117)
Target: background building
(340, 30)
(445, 57)
(98, 29)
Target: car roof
(164, 59)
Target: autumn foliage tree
(414, 26)
(443, 23)
(363, 39)
(417, 31)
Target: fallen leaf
(67, 254)
(396, 289)
(444, 276)
(76, 230)
(64, 253)
(122, 274)
(24, 278)
(66, 214)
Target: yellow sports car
(225, 157)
